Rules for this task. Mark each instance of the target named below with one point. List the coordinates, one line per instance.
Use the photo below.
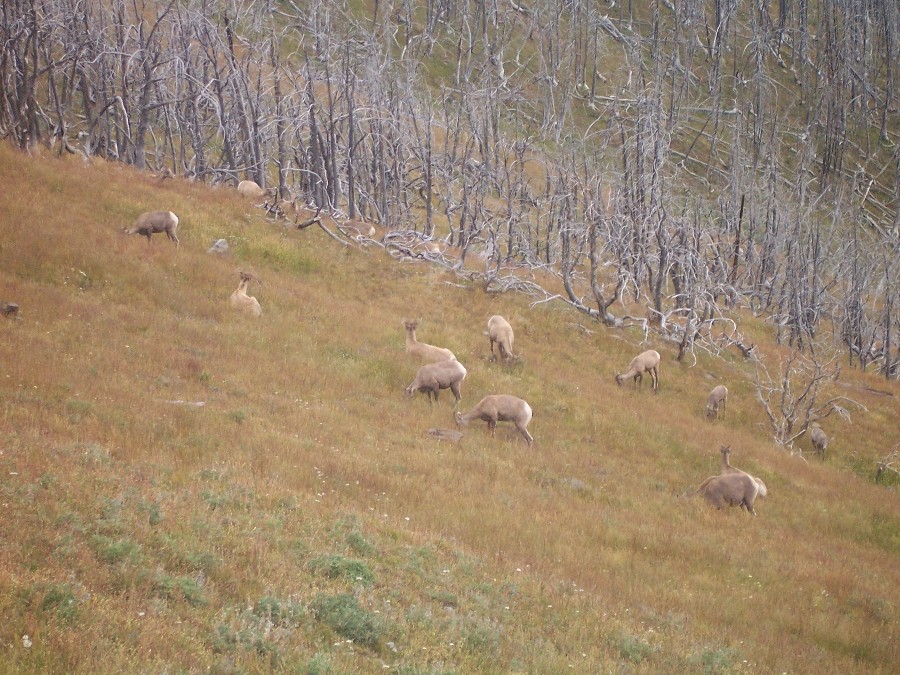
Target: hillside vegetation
(303, 519)
(688, 157)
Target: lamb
(501, 332)
(646, 362)
(500, 408)
(728, 469)
(425, 352)
(432, 377)
(818, 438)
(241, 301)
(733, 489)
(153, 222)
(717, 399)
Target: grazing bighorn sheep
(251, 190)
(717, 399)
(728, 469)
(818, 438)
(501, 332)
(732, 489)
(500, 408)
(241, 301)
(432, 377)
(154, 222)
(646, 362)
(424, 351)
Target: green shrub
(277, 611)
(175, 588)
(112, 551)
(339, 567)
(359, 545)
(319, 664)
(343, 614)
(634, 649)
(60, 600)
(716, 661)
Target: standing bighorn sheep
(732, 489)
(818, 438)
(646, 362)
(717, 399)
(154, 222)
(500, 408)
(424, 351)
(241, 301)
(728, 469)
(432, 377)
(501, 332)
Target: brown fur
(819, 439)
(423, 351)
(501, 332)
(154, 222)
(728, 469)
(241, 301)
(432, 377)
(735, 489)
(500, 408)
(718, 397)
(646, 362)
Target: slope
(303, 519)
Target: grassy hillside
(303, 519)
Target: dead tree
(792, 400)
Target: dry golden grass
(144, 535)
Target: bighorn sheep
(646, 362)
(501, 332)
(500, 408)
(732, 489)
(818, 438)
(728, 469)
(432, 377)
(717, 399)
(424, 351)
(241, 301)
(154, 222)
(252, 190)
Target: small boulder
(219, 247)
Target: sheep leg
(722, 405)
(492, 424)
(455, 389)
(654, 375)
(639, 381)
(528, 437)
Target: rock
(219, 247)
(575, 484)
(446, 435)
